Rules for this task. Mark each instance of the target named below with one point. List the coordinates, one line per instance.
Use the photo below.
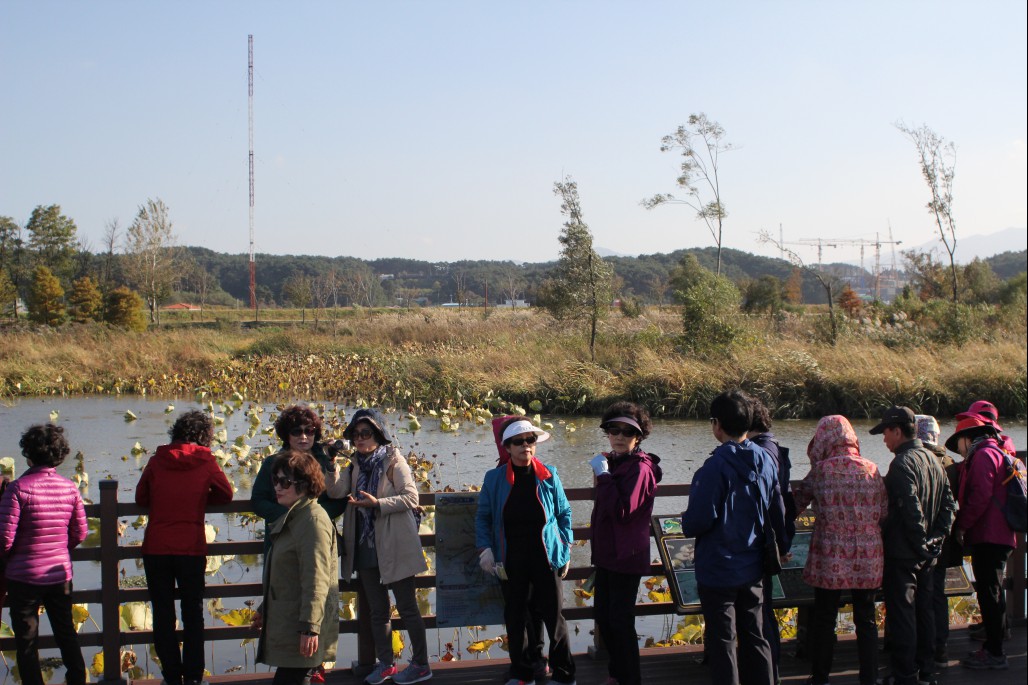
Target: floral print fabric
(849, 500)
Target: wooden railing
(109, 596)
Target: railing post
(109, 606)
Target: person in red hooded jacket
(178, 483)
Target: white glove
(600, 465)
(487, 561)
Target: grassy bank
(435, 358)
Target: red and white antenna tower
(253, 265)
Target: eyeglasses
(615, 431)
(363, 434)
(527, 440)
(303, 430)
(283, 482)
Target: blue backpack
(1015, 480)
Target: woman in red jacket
(177, 484)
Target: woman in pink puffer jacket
(41, 520)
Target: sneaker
(940, 657)
(382, 673)
(317, 675)
(982, 660)
(414, 673)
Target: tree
(793, 289)
(709, 304)
(938, 162)
(979, 283)
(513, 285)
(85, 300)
(850, 302)
(8, 296)
(10, 261)
(46, 298)
(927, 275)
(659, 285)
(151, 258)
(700, 142)
(124, 309)
(200, 281)
(52, 242)
(112, 235)
(763, 295)
(579, 287)
(298, 290)
(827, 281)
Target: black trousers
(614, 612)
(163, 571)
(531, 580)
(24, 600)
(286, 675)
(822, 639)
(909, 617)
(988, 562)
(772, 632)
(729, 612)
(940, 606)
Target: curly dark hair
(629, 410)
(193, 426)
(302, 468)
(44, 445)
(297, 416)
(761, 416)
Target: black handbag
(772, 559)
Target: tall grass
(431, 358)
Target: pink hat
(982, 408)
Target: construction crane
(822, 243)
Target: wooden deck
(683, 665)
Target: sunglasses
(529, 440)
(615, 431)
(283, 482)
(303, 430)
(363, 434)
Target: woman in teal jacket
(523, 533)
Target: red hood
(182, 455)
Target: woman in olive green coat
(299, 618)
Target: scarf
(369, 471)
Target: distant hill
(1009, 264)
(382, 281)
(981, 246)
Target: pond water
(98, 428)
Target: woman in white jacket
(381, 541)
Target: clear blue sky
(435, 130)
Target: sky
(436, 130)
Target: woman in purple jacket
(41, 520)
(626, 484)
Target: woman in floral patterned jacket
(849, 500)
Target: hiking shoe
(982, 661)
(414, 673)
(317, 675)
(940, 657)
(382, 673)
